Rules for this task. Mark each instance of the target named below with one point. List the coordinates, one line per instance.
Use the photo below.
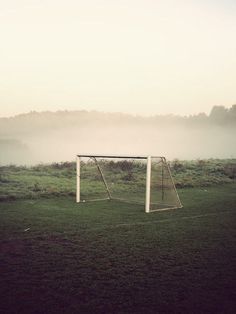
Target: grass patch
(199, 173)
(110, 257)
(59, 179)
(17, 182)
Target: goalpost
(144, 180)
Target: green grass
(110, 257)
(208, 172)
(58, 179)
(18, 182)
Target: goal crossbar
(119, 156)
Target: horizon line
(135, 115)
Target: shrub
(230, 171)
(176, 165)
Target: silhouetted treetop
(221, 115)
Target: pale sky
(136, 56)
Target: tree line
(41, 122)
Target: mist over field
(58, 136)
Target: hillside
(57, 136)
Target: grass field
(61, 257)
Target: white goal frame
(148, 158)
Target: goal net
(143, 179)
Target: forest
(37, 137)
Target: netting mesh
(125, 179)
(163, 192)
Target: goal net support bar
(136, 179)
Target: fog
(27, 144)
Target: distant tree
(219, 114)
(200, 118)
(232, 113)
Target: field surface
(60, 257)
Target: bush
(177, 166)
(230, 171)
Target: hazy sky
(138, 56)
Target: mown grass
(109, 257)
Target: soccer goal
(144, 180)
